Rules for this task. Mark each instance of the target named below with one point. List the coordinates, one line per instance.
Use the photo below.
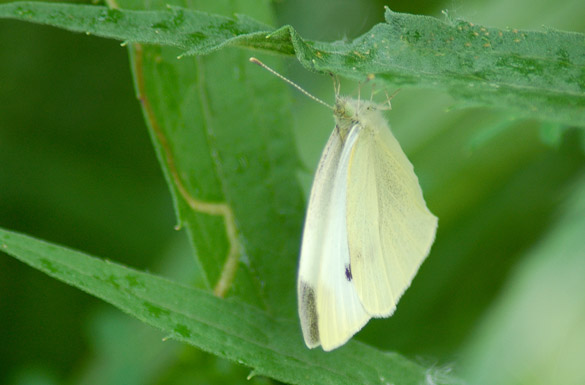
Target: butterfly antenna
(256, 61)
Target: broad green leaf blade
(536, 332)
(535, 74)
(271, 346)
(227, 151)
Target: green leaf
(536, 74)
(271, 346)
(227, 154)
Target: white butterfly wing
(313, 234)
(329, 307)
(391, 229)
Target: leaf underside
(533, 73)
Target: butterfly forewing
(313, 235)
(329, 307)
(340, 311)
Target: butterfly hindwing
(390, 228)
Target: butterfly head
(348, 112)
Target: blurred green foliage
(78, 169)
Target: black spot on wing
(348, 275)
(309, 316)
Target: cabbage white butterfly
(367, 228)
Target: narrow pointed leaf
(271, 346)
